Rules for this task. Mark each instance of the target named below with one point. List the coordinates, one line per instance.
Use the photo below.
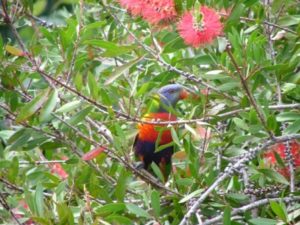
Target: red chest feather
(149, 132)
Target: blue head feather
(169, 96)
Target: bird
(151, 136)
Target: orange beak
(184, 94)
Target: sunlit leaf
(32, 107)
(134, 209)
(120, 70)
(14, 51)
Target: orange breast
(149, 132)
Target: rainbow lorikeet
(150, 137)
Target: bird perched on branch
(151, 143)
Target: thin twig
(252, 205)
(10, 185)
(76, 43)
(231, 168)
(248, 92)
(5, 205)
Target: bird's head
(170, 94)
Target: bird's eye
(171, 91)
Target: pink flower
(56, 168)
(153, 11)
(92, 154)
(200, 28)
(156, 11)
(135, 7)
(19, 213)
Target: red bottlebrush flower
(156, 11)
(92, 154)
(56, 168)
(153, 11)
(279, 149)
(200, 28)
(135, 7)
(19, 213)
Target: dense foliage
(76, 77)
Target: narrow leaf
(120, 70)
(155, 202)
(65, 214)
(49, 106)
(137, 210)
(14, 51)
(293, 128)
(278, 210)
(191, 195)
(175, 136)
(93, 85)
(39, 200)
(69, 106)
(262, 221)
(32, 107)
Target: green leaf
(229, 86)
(174, 45)
(237, 198)
(78, 82)
(293, 128)
(271, 122)
(155, 203)
(175, 136)
(157, 171)
(94, 25)
(65, 214)
(136, 210)
(190, 4)
(227, 216)
(112, 49)
(13, 169)
(22, 140)
(14, 51)
(117, 219)
(32, 107)
(237, 11)
(110, 208)
(40, 221)
(120, 70)
(5, 163)
(39, 200)
(49, 106)
(1, 47)
(93, 85)
(178, 6)
(287, 116)
(274, 175)
(69, 106)
(279, 210)
(77, 118)
(240, 123)
(262, 221)
(17, 135)
(121, 186)
(39, 7)
(289, 20)
(191, 195)
(30, 200)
